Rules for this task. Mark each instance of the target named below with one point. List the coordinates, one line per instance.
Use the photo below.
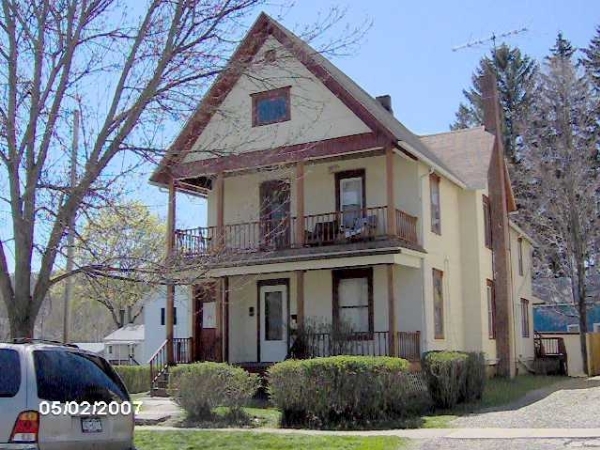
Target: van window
(69, 376)
(10, 372)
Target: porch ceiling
(399, 256)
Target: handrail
(158, 362)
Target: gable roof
(128, 333)
(367, 108)
(467, 152)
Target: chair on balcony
(323, 233)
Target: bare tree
(129, 76)
(561, 206)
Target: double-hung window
(434, 194)
(353, 300)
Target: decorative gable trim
(241, 58)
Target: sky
(407, 53)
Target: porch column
(220, 189)
(226, 320)
(389, 182)
(170, 287)
(299, 203)
(220, 292)
(391, 311)
(300, 298)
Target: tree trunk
(582, 309)
(21, 323)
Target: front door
(205, 323)
(275, 214)
(273, 333)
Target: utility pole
(71, 235)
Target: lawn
(221, 440)
(498, 392)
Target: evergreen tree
(591, 60)
(562, 48)
(515, 73)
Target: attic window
(271, 106)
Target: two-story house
(324, 209)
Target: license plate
(91, 425)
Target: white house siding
(155, 333)
(316, 113)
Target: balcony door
(350, 197)
(273, 317)
(275, 214)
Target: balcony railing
(338, 227)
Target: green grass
(219, 440)
(498, 392)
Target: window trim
(346, 174)
(520, 255)
(434, 180)
(438, 273)
(492, 311)
(272, 93)
(525, 328)
(341, 274)
(487, 222)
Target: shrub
(341, 390)
(136, 378)
(446, 374)
(475, 377)
(200, 387)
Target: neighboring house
(125, 345)
(323, 208)
(93, 347)
(155, 319)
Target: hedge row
(454, 377)
(343, 390)
(136, 378)
(200, 387)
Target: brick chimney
(386, 102)
(505, 331)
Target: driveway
(574, 403)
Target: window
(353, 299)
(10, 375)
(438, 304)
(110, 350)
(487, 222)
(271, 107)
(350, 196)
(520, 251)
(491, 304)
(274, 316)
(163, 316)
(434, 190)
(573, 328)
(525, 317)
(69, 376)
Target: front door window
(273, 324)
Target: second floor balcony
(317, 230)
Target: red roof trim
(263, 27)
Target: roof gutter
(438, 169)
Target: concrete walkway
(418, 434)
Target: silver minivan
(58, 397)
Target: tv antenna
(491, 38)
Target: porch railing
(159, 363)
(337, 227)
(360, 344)
(408, 344)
